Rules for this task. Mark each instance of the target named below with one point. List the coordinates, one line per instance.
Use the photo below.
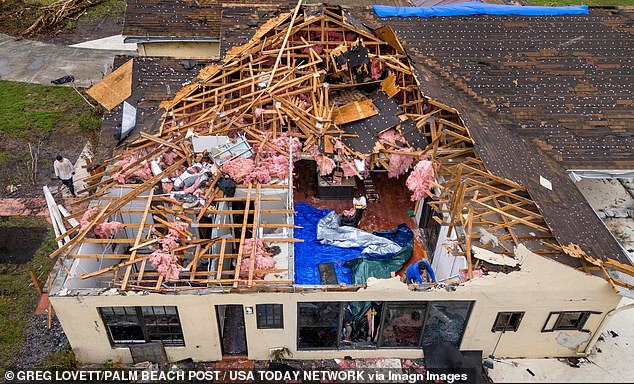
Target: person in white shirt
(64, 170)
(360, 204)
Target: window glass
(270, 316)
(446, 322)
(402, 325)
(507, 321)
(143, 324)
(163, 326)
(123, 324)
(318, 325)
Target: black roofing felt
(413, 135)
(368, 129)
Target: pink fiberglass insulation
(375, 69)
(326, 165)
(181, 226)
(400, 163)
(168, 243)
(238, 168)
(169, 158)
(263, 259)
(259, 174)
(348, 169)
(119, 178)
(391, 136)
(87, 217)
(277, 166)
(419, 181)
(106, 230)
(144, 172)
(349, 212)
(338, 146)
(284, 142)
(162, 261)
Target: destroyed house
(171, 260)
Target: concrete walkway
(35, 62)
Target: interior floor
(389, 211)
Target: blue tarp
(471, 8)
(310, 252)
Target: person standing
(64, 170)
(360, 204)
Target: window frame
(259, 324)
(508, 327)
(584, 316)
(337, 345)
(137, 311)
(423, 306)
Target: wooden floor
(387, 213)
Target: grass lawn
(591, 3)
(31, 109)
(18, 297)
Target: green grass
(592, 3)
(18, 297)
(31, 110)
(104, 8)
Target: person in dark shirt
(227, 185)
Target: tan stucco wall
(180, 50)
(540, 287)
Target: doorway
(233, 338)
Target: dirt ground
(18, 244)
(103, 19)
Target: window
(507, 321)
(446, 322)
(127, 325)
(402, 325)
(318, 325)
(270, 316)
(567, 320)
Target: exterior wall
(540, 287)
(180, 49)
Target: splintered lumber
(299, 88)
(139, 234)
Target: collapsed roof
(347, 95)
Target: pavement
(36, 62)
(611, 360)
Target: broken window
(507, 321)
(567, 320)
(402, 325)
(318, 325)
(163, 324)
(123, 324)
(270, 316)
(446, 322)
(128, 325)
